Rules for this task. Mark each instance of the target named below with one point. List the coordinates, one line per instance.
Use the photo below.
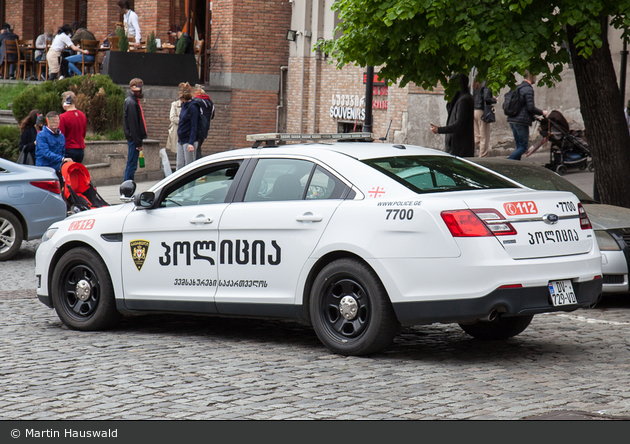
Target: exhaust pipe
(490, 316)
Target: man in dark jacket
(134, 126)
(7, 34)
(521, 122)
(459, 129)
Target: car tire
(351, 287)
(499, 329)
(82, 291)
(11, 235)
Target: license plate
(562, 293)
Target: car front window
(206, 187)
(431, 174)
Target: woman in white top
(59, 43)
(131, 23)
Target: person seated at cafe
(40, 45)
(80, 32)
(59, 43)
(189, 47)
(7, 34)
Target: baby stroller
(568, 147)
(79, 193)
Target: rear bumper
(512, 302)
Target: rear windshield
(432, 174)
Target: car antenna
(383, 139)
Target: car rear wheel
(82, 291)
(500, 328)
(11, 235)
(350, 309)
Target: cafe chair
(11, 49)
(43, 64)
(92, 47)
(27, 50)
(199, 55)
(113, 43)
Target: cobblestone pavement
(564, 366)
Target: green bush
(151, 43)
(123, 42)
(9, 92)
(9, 142)
(47, 97)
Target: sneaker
(42, 78)
(60, 77)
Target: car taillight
(496, 222)
(476, 223)
(585, 223)
(47, 185)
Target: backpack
(513, 103)
(205, 115)
(203, 125)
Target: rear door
(265, 240)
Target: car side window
(278, 179)
(208, 186)
(324, 185)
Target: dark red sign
(376, 80)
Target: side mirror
(127, 188)
(144, 200)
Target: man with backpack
(206, 114)
(520, 110)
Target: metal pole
(622, 72)
(369, 85)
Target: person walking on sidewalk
(484, 100)
(73, 125)
(206, 107)
(134, 126)
(520, 123)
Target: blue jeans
(521, 137)
(75, 154)
(132, 161)
(77, 59)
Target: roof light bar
(303, 137)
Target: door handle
(309, 217)
(201, 219)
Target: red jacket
(73, 125)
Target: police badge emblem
(139, 250)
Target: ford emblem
(550, 219)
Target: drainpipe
(318, 56)
(282, 71)
(302, 93)
(369, 84)
(622, 72)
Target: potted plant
(152, 43)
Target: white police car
(356, 239)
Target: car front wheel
(11, 235)
(498, 329)
(82, 291)
(350, 309)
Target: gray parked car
(30, 201)
(611, 223)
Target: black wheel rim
(79, 301)
(338, 294)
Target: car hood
(607, 217)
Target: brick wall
(20, 15)
(102, 18)
(57, 13)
